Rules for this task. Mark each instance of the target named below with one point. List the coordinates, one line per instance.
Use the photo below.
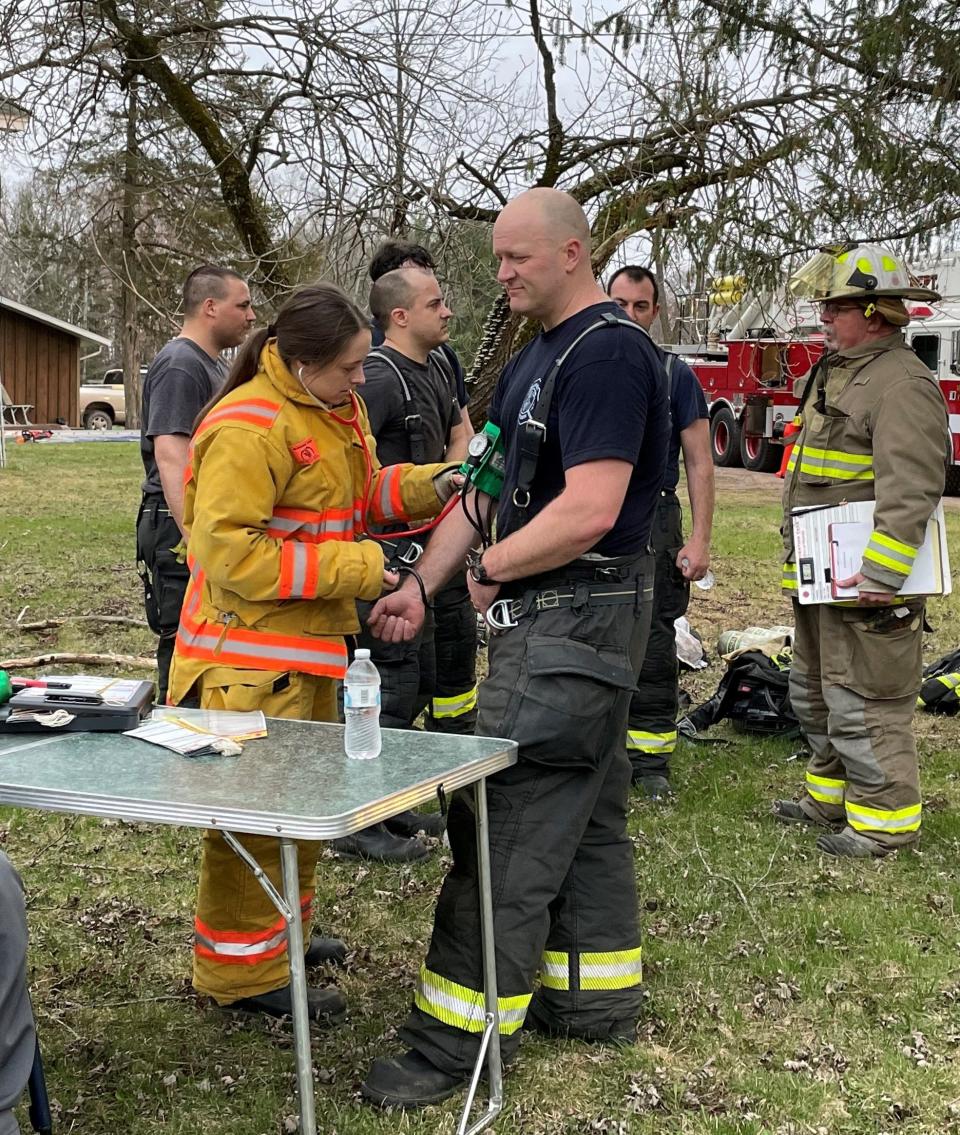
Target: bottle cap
(359, 655)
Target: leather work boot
(411, 823)
(323, 1005)
(655, 787)
(325, 951)
(851, 845)
(409, 1080)
(377, 843)
(790, 812)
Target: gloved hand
(447, 482)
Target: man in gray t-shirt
(181, 380)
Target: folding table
(295, 783)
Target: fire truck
(757, 346)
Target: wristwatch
(478, 573)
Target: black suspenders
(534, 429)
(412, 421)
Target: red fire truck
(756, 349)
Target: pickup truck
(102, 403)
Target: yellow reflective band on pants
(788, 579)
(826, 789)
(863, 819)
(890, 553)
(555, 969)
(615, 969)
(455, 706)
(832, 464)
(464, 1008)
(640, 742)
(610, 969)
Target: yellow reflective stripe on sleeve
(835, 464)
(788, 578)
(613, 969)
(555, 969)
(825, 789)
(864, 819)
(455, 706)
(890, 553)
(640, 742)
(463, 1008)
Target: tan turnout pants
(240, 941)
(853, 686)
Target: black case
(103, 718)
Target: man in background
(179, 382)
(415, 416)
(453, 706)
(874, 428)
(652, 728)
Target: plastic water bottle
(361, 708)
(708, 580)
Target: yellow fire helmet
(856, 271)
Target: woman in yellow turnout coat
(275, 496)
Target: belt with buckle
(503, 614)
(408, 556)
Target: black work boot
(411, 823)
(851, 845)
(325, 951)
(323, 1005)
(409, 1080)
(791, 812)
(377, 843)
(654, 786)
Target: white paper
(236, 724)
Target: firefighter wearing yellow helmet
(874, 427)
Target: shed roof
(52, 321)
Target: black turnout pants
(165, 579)
(453, 706)
(407, 671)
(652, 729)
(564, 890)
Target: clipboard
(829, 542)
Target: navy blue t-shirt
(609, 402)
(688, 404)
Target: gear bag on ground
(938, 694)
(753, 695)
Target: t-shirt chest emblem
(529, 403)
(305, 452)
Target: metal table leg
(298, 988)
(288, 906)
(490, 1041)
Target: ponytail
(243, 368)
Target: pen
(38, 684)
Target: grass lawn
(787, 993)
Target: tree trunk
(130, 333)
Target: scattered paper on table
(237, 725)
(177, 738)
